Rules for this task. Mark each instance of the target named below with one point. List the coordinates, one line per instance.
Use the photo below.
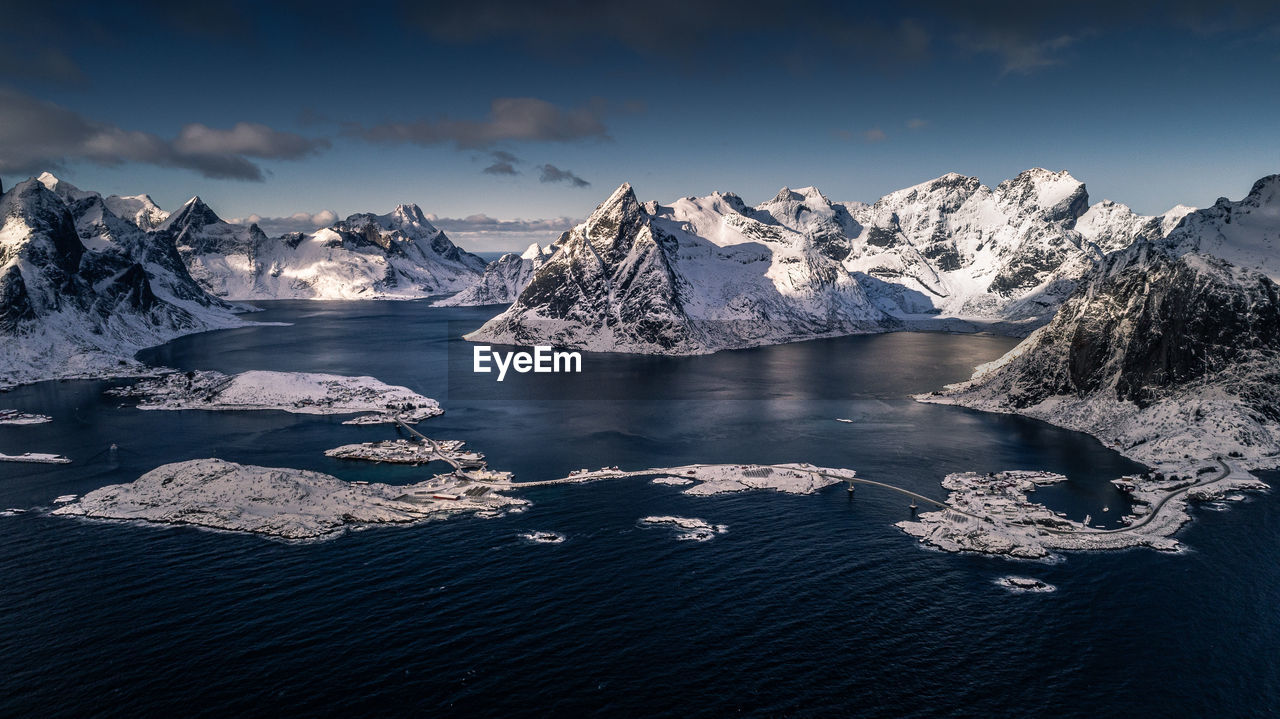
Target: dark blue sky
(363, 105)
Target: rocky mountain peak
(621, 204)
(194, 215)
(1265, 192)
(1058, 195)
(47, 222)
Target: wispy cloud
(1020, 52)
(521, 119)
(38, 135)
(551, 173)
(916, 123)
(875, 134)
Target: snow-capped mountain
(1169, 352)
(141, 210)
(946, 254)
(504, 279)
(398, 255)
(694, 277)
(82, 290)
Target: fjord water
(807, 606)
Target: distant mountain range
(86, 281)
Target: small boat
(842, 419)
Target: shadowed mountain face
(946, 254)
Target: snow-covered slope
(1166, 354)
(82, 290)
(1245, 233)
(949, 253)
(504, 279)
(399, 255)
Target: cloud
(521, 119)
(1019, 52)
(297, 222)
(36, 135)
(551, 173)
(246, 138)
(875, 134)
(916, 123)
(504, 163)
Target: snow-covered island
(297, 392)
(13, 416)
(35, 457)
(1025, 585)
(689, 528)
(991, 514)
(403, 451)
(282, 503)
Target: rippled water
(807, 606)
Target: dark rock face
(1184, 320)
(15, 305)
(1148, 323)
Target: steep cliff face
(81, 290)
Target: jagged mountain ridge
(82, 290)
(1167, 352)
(946, 254)
(399, 255)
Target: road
(1155, 510)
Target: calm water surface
(808, 606)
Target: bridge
(677, 471)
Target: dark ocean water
(808, 606)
